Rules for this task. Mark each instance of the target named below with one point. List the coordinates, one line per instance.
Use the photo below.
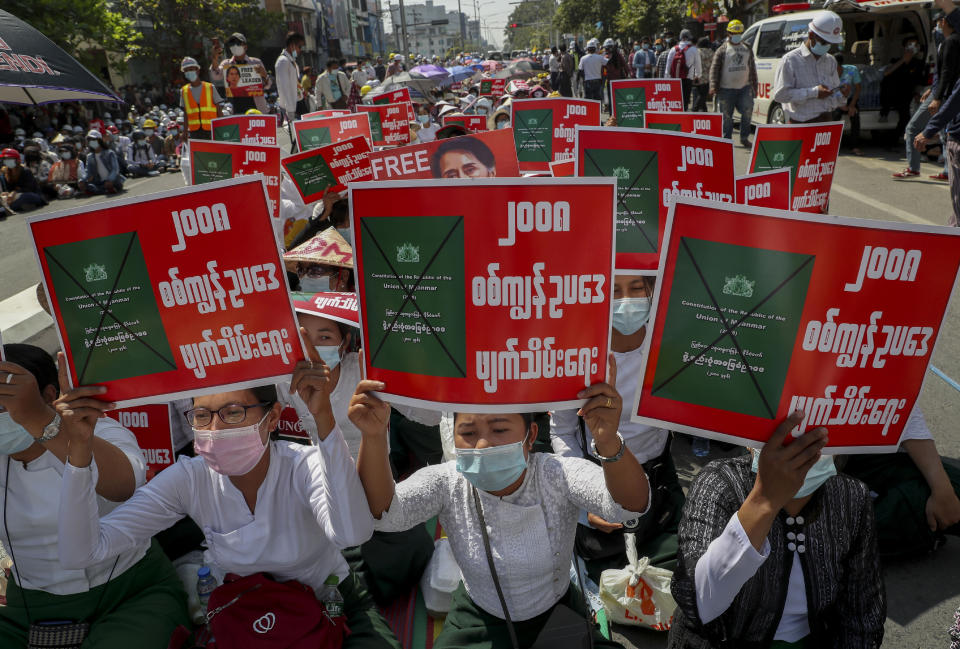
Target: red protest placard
(633, 97)
(329, 112)
(809, 150)
(492, 87)
(171, 294)
(652, 168)
(765, 189)
(563, 168)
(329, 167)
(399, 96)
(341, 307)
(473, 123)
(389, 123)
(760, 312)
(248, 129)
(150, 423)
(475, 296)
(290, 425)
(214, 161)
(314, 133)
(694, 123)
(482, 155)
(544, 129)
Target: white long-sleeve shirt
(288, 75)
(692, 57)
(531, 531)
(795, 84)
(310, 506)
(32, 494)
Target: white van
(873, 33)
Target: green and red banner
(473, 123)
(482, 155)
(544, 129)
(248, 129)
(330, 167)
(633, 97)
(759, 313)
(652, 169)
(399, 96)
(150, 424)
(765, 189)
(479, 295)
(389, 123)
(809, 151)
(341, 307)
(170, 295)
(327, 112)
(694, 123)
(214, 161)
(313, 133)
(492, 87)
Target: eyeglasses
(232, 413)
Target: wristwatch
(612, 458)
(51, 430)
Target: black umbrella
(33, 70)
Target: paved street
(922, 594)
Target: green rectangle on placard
(312, 175)
(771, 283)
(126, 340)
(227, 133)
(486, 86)
(209, 166)
(630, 104)
(312, 138)
(533, 135)
(638, 196)
(777, 154)
(428, 250)
(663, 126)
(376, 130)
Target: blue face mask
(820, 48)
(315, 284)
(493, 468)
(346, 233)
(190, 75)
(13, 437)
(819, 473)
(423, 119)
(329, 354)
(630, 313)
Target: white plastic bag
(638, 594)
(440, 579)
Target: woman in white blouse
(530, 502)
(264, 506)
(600, 542)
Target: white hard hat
(609, 43)
(828, 26)
(593, 43)
(188, 63)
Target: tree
(74, 25)
(534, 20)
(173, 29)
(638, 18)
(584, 16)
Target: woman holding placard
(600, 542)
(510, 514)
(778, 550)
(265, 506)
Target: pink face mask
(233, 451)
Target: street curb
(22, 318)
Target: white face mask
(94, 145)
(293, 54)
(236, 50)
(191, 75)
(13, 437)
(66, 155)
(148, 132)
(504, 124)
(315, 284)
(9, 163)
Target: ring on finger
(10, 376)
(609, 403)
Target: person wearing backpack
(683, 62)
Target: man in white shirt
(690, 69)
(806, 81)
(333, 88)
(591, 66)
(288, 75)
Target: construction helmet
(149, 123)
(735, 27)
(253, 111)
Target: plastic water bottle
(701, 446)
(206, 584)
(331, 597)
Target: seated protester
(156, 144)
(140, 158)
(276, 507)
(102, 169)
(39, 163)
(531, 500)
(782, 553)
(916, 500)
(170, 146)
(601, 542)
(65, 174)
(130, 597)
(19, 189)
(115, 142)
(324, 263)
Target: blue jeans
(914, 127)
(742, 100)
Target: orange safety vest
(199, 115)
